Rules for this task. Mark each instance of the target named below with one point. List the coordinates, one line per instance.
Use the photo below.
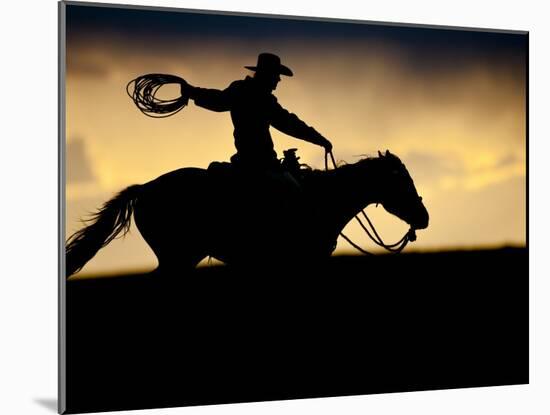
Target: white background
(28, 206)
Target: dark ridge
(353, 326)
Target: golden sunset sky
(451, 104)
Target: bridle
(397, 247)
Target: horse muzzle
(420, 220)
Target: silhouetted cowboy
(253, 110)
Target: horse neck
(347, 195)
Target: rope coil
(143, 91)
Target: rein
(372, 234)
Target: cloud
(429, 167)
(437, 171)
(493, 214)
(90, 68)
(508, 160)
(79, 170)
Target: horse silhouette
(191, 213)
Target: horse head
(398, 194)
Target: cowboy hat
(268, 62)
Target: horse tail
(104, 226)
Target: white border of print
(28, 291)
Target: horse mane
(342, 166)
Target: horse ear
(388, 153)
(380, 154)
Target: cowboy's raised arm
(290, 124)
(211, 99)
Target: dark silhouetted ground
(360, 325)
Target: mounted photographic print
(258, 208)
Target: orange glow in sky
(460, 133)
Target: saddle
(281, 183)
(233, 171)
(275, 197)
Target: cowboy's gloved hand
(186, 89)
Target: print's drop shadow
(48, 403)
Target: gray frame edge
(62, 301)
(291, 17)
